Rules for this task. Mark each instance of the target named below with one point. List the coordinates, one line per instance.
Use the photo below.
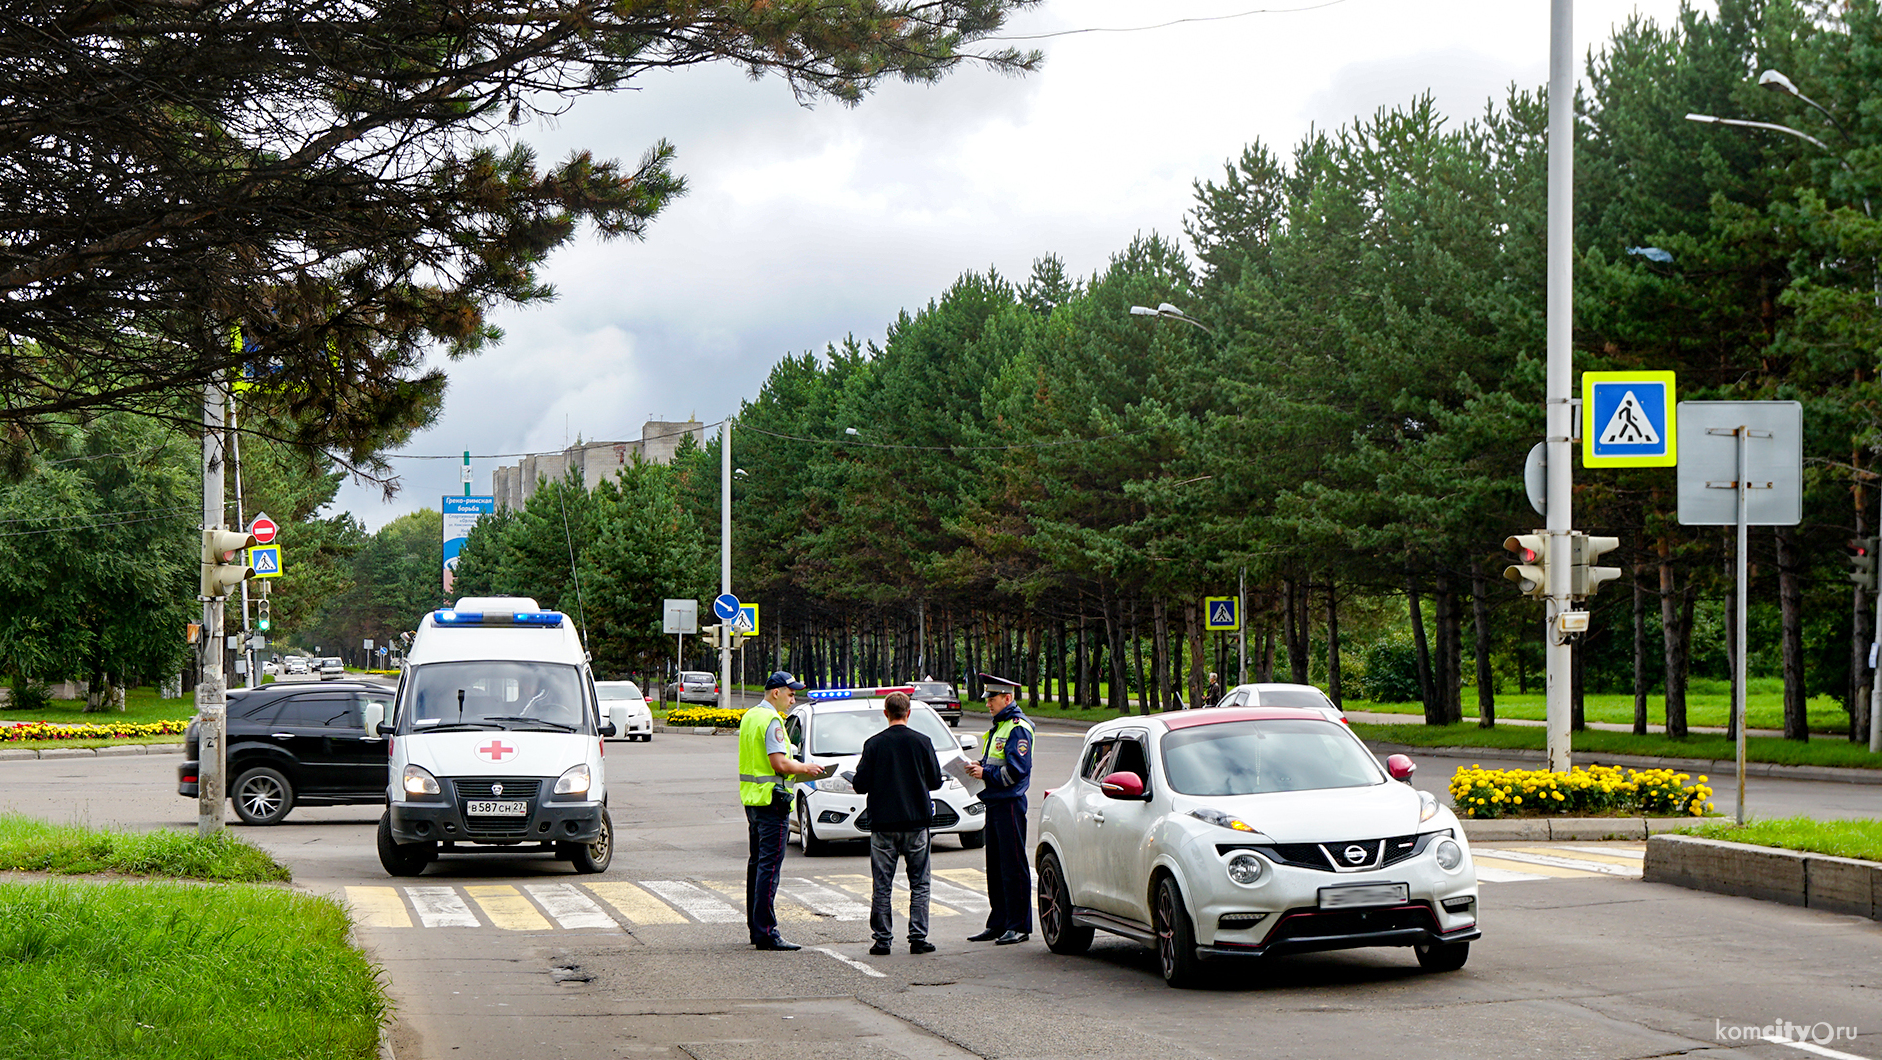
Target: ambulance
(495, 741)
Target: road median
(1793, 877)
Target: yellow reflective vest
(757, 781)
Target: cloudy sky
(804, 225)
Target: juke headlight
(1427, 806)
(573, 781)
(419, 781)
(1246, 869)
(1449, 854)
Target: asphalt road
(1578, 965)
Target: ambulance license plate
(1364, 894)
(494, 808)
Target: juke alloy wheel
(1442, 956)
(1176, 937)
(1055, 911)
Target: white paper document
(956, 767)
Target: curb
(1793, 877)
(1708, 766)
(1561, 828)
(22, 754)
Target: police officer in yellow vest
(1006, 767)
(765, 772)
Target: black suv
(297, 743)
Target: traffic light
(219, 548)
(1584, 577)
(1531, 569)
(261, 615)
(1862, 563)
(711, 633)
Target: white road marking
(854, 963)
(440, 907)
(570, 907)
(1812, 1047)
(696, 902)
(825, 901)
(1551, 860)
(1485, 874)
(1613, 852)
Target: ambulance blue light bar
(820, 694)
(497, 618)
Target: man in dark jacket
(897, 770)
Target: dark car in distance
(939, 695)
(296, 744)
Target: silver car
(694, 686)
(332, 669)
(1276, 694)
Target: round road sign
(263, 528)
(725, 605)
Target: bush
(692, 717)
(1392, 672)
(25, 730)
(29, 694)
(1597, 791)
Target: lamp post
(1169, 312)
(1777, 82)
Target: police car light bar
(856, 693)
(496, 618)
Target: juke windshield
(1257, 757)
(495, 695)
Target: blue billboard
(460, 514)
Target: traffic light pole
(211, 698)
(1561, 302)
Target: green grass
(1707, 703)
(1757, 748)
(140, 704)
(169, 971)
(36, 846)
(1842, 839)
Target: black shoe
(920, 946)
(880, 949)
(777, 944)
(1012, 938)
(986, 936)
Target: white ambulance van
(495, 741)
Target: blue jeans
(767, 827)
(884, 848)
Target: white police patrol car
(496, 741)
(829, 728)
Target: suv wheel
(402, 859)
(1176, 937)
(262, 795)
(1055, 911)
(596, 856)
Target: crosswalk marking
(570, 907)
(507, 908)
(735, 892)
(440, 907)
(636, 904)
(378, 906)
(1628, 855)
(864, 886)
(700, 904)
(1491, 874)
(824, 900)
(974, 879)
(1542, 862)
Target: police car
(829, 729)
(496, 741)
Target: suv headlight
(419, 781)
(1246, 869)
(1449, 854)
(573, 781)
(1427, 806)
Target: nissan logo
(497, 789)
(1356, 853)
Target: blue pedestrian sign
(1628, 420)
(266, 559)
(1220, 613)
(725, 605)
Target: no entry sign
(263, 528)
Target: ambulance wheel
(403, 859)
(598, 855)
(974, 840)
(813, 847)
(262, 796)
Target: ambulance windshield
(496, 695)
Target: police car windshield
(495, 695)
(841, 731)
(1257, 757)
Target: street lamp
(1169, 312)
(1777, 82)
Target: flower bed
(1597, 791)
(43, 730)
(693, 717)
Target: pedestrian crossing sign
(266, 559)
(745, 623)
(1628, 420)
(1221, 613)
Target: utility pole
(211, 700)
(725, 558)
(1241, 627)
(1561, 368)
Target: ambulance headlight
(574, 781)
(419, 781)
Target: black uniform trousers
(1009, 880)
(768, 828)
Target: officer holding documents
(1005, 767)
(765, 774)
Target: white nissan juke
(1248, 833)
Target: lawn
(1842, 839)
(32, 845)
(1707, 702)
(1597, 742)
(140, 704)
